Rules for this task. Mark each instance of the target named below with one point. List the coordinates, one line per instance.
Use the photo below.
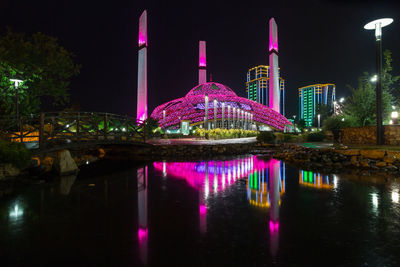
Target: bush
(316, 137)
(223, 133)
(266, 137)
(14, 153)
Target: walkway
(193, 141)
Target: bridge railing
(55, 128)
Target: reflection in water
(66, 183)
(143, 230)
(265, 184)
(16, 212)
(259, 185)
(317, 180)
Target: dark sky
(319, 42)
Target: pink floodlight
(202, 62)
(202, 54)
(273, 35)
(143, 29)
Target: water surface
(245, 211)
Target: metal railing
(56, 128)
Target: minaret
(202, 62)
(142, 70)
(274, 90)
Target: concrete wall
(367, 135)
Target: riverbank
(336, 160)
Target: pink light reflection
(203, 209)
(273, 226)
(195, 173)
(142, 234)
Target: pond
(242, 211)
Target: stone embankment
(335, 160)
(177, 152)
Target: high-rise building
(257, 86)
(312, 95)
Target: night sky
(319, 42)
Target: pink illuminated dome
(191, 108)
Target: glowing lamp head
(395, 115)
(377, 25)
(16, 82)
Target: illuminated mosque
(211, 104)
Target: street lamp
(395, 116)
(377, 25)
(215, 113)
(374, 78)
(206, 112)
(341, 100)
(16, 85)
(319, 121)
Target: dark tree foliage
(45, 67)
(360, 107)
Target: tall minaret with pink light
(202, 62)
(274, 90)
(142, 70)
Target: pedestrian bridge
(55, 130)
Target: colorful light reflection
(317, 180)
(258, 183)
(211, 176)
(273, 226)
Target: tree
(360, 107)
(324, 111)
(45, 67)
(335, 123)
(301, 125)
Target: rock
(373, 154)
(349, 152)
(8, 170)
(380, 164)
(64, 164)
(47, 162)
(393, 154)
(364, 162)
(389, 159)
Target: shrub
(316, 137)
(14, 153)
(266, 137)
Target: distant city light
(395, 196)
(16, 212)
(374, 200)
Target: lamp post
(163, 122)
(395, 116)
(16, 85)
(215, 113)
(233, 117)
(242, 119)
(223, 115)
(377, 25)
(206, 112)
(229, 117)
